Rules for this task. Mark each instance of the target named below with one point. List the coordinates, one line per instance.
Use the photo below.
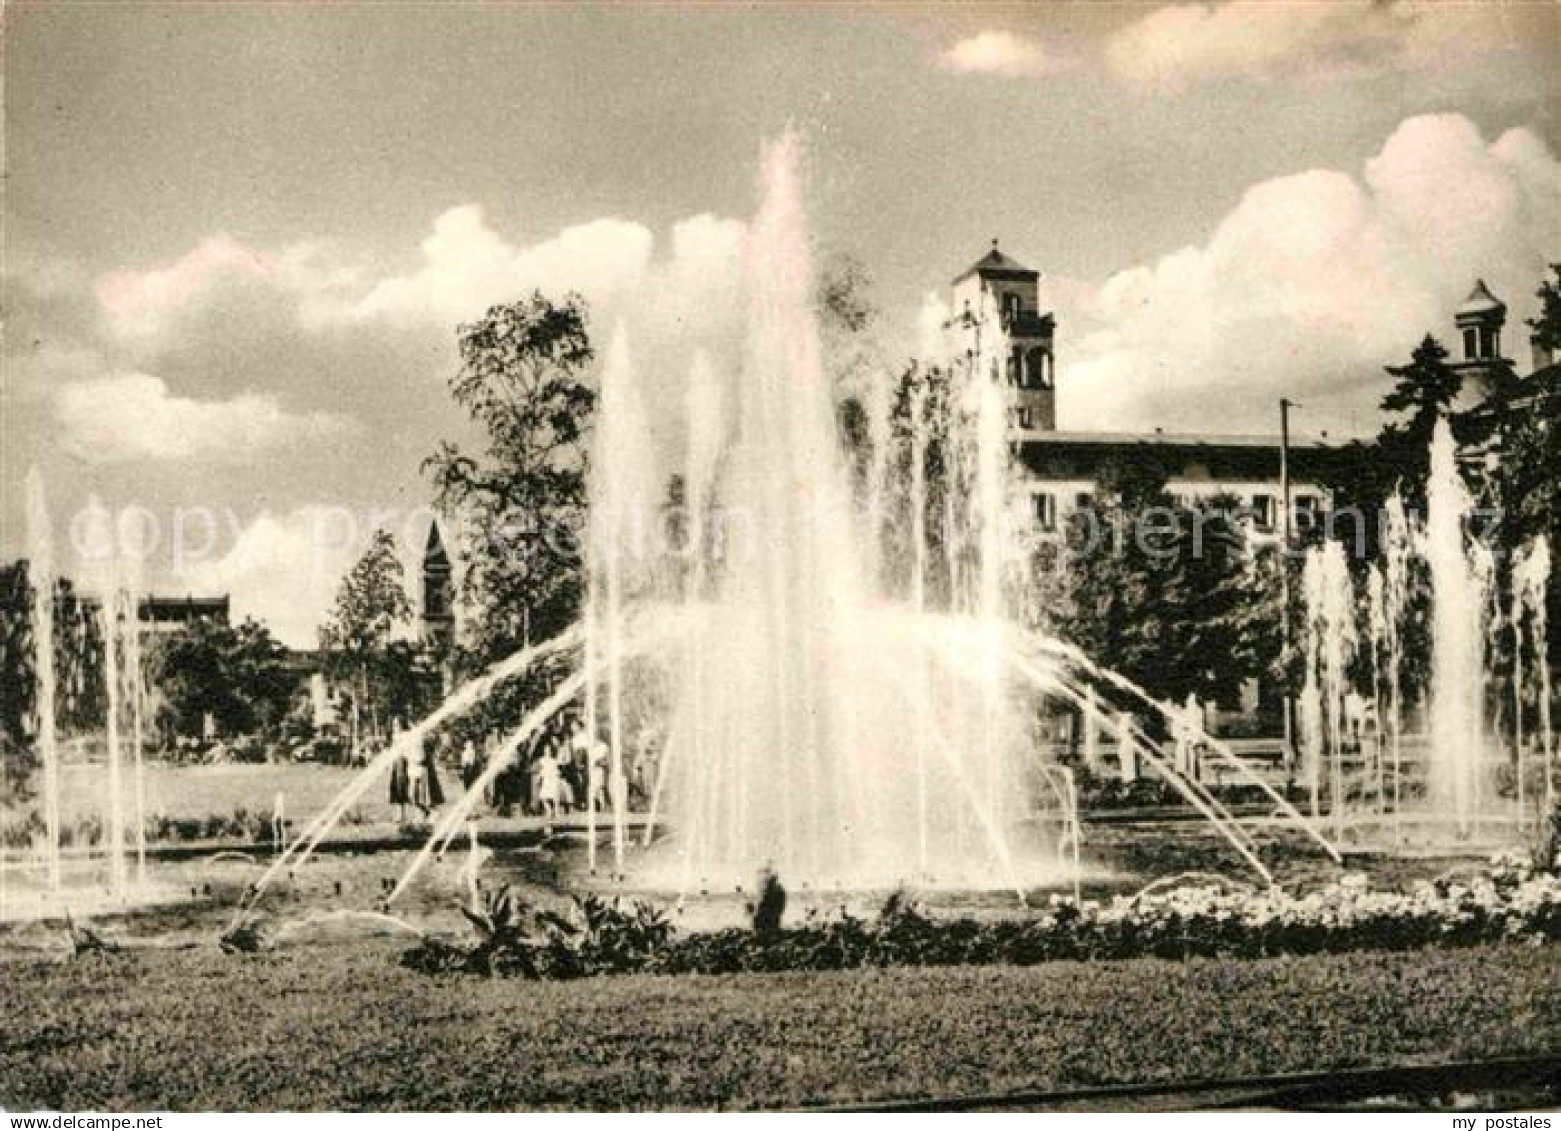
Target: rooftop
(1177, 440)
(1480, 301)
(995, 265)
(434, 554)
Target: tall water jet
(1377, 641)
(135, 698)
(40, 551)
(918, 587)
(1457, 708)
(112, 622)
(1332, 641)
(1397, 545)
(623, 499)
(797, 689)
(1531, 590)
(989, 519)
(811, 713)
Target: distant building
(1479, 321)
(161, 616)
(1065, 468)
(169, 614)
(438, 606)
(1029, 369)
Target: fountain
(1443, 782)
(40, 549)
(122, 803)
(1531, 584)
(1332, 642)
(820, 715)
(1455, 781)
(837, 680)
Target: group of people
(560, 771)
(555, 775)
(414, 778)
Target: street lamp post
(1285, 405)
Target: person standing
(469, 767)
(548, 783)
(400, 787)
(417, 785)
(433, 791)
(601, 757)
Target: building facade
(1065, 468)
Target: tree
(524, 497)
(1547, 325)
(18, 699)
(1166, 593)
(370, 607)
(1424, 391)
(80, 693)
(848, 318)
(237, 675)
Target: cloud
(467, 266)
(133, 416)
(141, 304)
(183, 384)
(1312, 283)
(1176, 47)
(1002, 53)
(305, 326)
(282, 569)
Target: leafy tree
(78, 670)
(371, 606)
(1167, 593)
(1424, 391)
(524, 496)
(920, 397)
(237, 674)
(18, 701)
(1547, 325)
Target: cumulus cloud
(133, 416)
(141, 304)
(1312, 283)
(180, 383)
(1002, 53)
(1180, 46)
(467, 266)
(281, 568)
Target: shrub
(1508, 899)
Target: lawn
(342, 1026)
(208, 791)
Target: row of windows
(1262, 509)
(1032, 369)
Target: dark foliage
(516, 938)
(1510, 901)
(237, 674)
(519, 502)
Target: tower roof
(434, 555)
(1480, 303)
(995, 265)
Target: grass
(205, 791)
(344, 1027)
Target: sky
(239, 237)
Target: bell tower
(1479, 320)
(1029, 369)
(438, 591)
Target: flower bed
(1508, 900)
